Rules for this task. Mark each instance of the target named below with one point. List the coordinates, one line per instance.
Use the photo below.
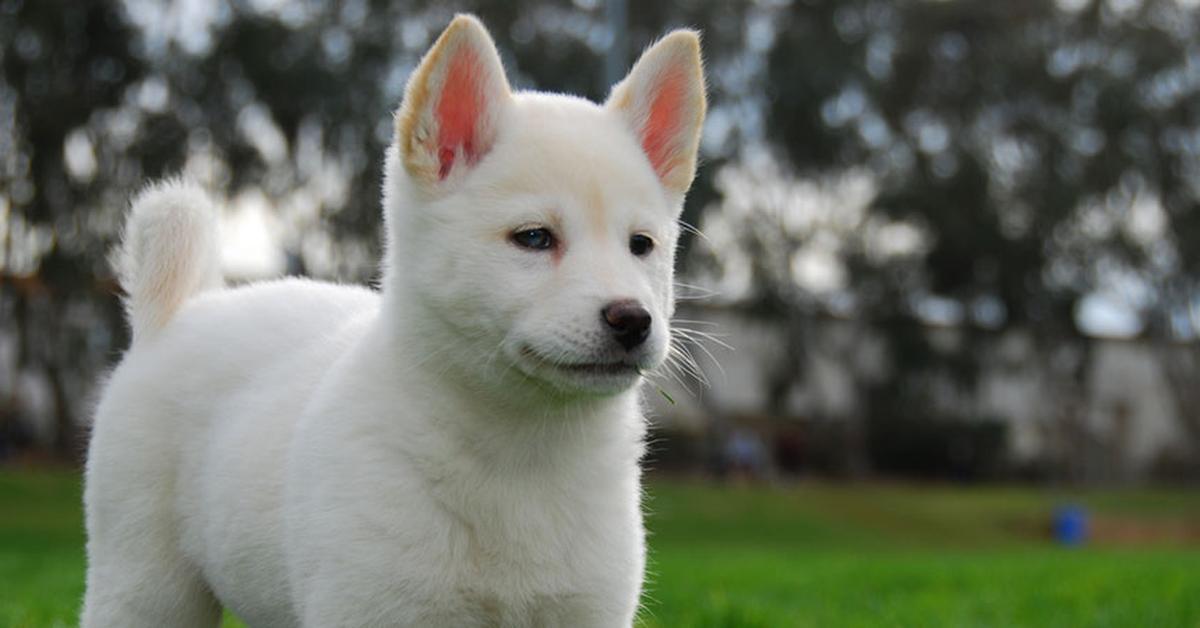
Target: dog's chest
(533, 545)
(544, 562)
(541, 610)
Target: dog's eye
(539, 239)
(640, 244)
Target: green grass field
(808, 555)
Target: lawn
(805, 555)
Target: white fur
(320, 455)
(169, 252)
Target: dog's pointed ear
(663, 101)
(452, 104)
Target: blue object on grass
(1071, 525)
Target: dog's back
(210, 389)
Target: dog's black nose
(629, 321)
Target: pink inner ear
(459, 109)
(662, 123)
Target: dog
(459, 448)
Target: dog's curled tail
(168, 253)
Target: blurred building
(1121, 422)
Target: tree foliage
(1019, 157)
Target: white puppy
(458, 449)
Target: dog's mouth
(602, 370)
(598, 368)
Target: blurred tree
(289, 101)
(62, 62)
(991, 164)
(1042, 152)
